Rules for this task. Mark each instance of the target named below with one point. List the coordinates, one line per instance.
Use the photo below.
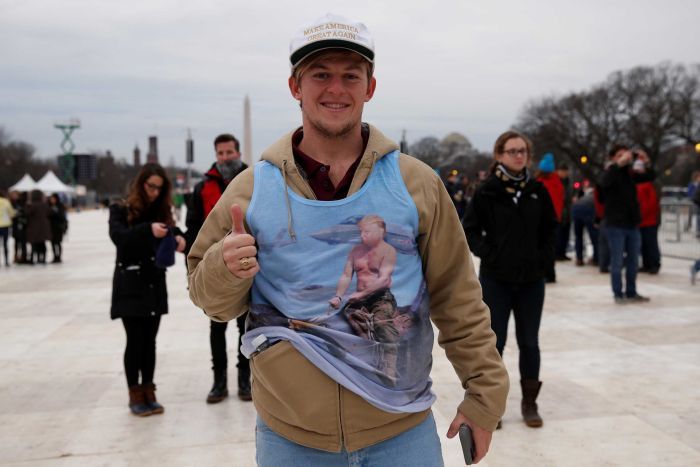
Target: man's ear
(294, 88)
(370, 89)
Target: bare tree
(17, 159)
(428, 150)
(654, 108)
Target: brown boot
(530, 388)
(137, 401)
(149, 392)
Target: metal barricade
(678, 232)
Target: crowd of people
(336, 254)
(32, 220)
(519, 223)
(632, 203)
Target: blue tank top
(377, 341)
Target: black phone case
(465, 437)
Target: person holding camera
(622, 218)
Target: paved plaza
(620, 382)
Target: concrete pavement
(620, 382)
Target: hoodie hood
(378, 145)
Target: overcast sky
(129, 69)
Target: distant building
(84, 167)
(152, 149)
(137, 156)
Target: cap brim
(298, 56)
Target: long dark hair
(137, 201)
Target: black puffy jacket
(138, 286)
(514, 241)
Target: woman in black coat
(142, 227)
(510, 225)
(59, 225)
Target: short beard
(331, 134)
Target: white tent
(50, 183)
(26, 183)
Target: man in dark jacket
(622, 218)
(205, 195)
(456, 191)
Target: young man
(622, 219)
(327, 385)
(205, 195)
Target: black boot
(244, 393)
(219, 391)
(531, 389)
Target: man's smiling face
(332, 91)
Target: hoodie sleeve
(213, 288)
(456, 306)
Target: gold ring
(245, 263)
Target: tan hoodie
(291, 395)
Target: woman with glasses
(138, 226)
(510, 225)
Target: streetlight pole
(189, 149)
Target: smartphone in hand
(465, 437)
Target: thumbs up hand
(239, 249)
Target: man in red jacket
(204, 196)
(649, 227)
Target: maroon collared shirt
(317, 174)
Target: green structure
(67, 162)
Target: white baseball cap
(331, 32)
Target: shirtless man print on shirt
(371, 309)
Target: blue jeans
(561, 238)
(603, 249)
(624, 245)
(526, 301)
(579, 225)
(419, 446)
